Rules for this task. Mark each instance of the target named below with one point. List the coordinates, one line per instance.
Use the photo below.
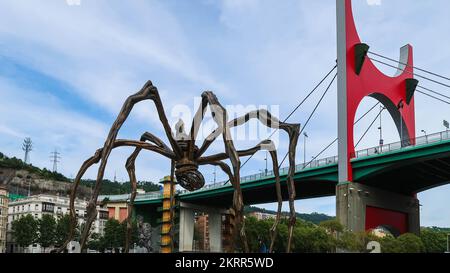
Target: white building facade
(57, 206)
(3, 217)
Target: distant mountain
(314, 217)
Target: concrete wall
(352, 199)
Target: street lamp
(382, 108)
(424, 132)
(446, 125)
(265, 170)
(400, 107)
(304, 148)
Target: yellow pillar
(166, 221)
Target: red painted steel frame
(370, 82)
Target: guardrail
(407, 143)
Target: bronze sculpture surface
(186, 157)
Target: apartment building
(57, 206)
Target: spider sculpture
(186, 157)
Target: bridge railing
(407, 143)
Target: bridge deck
(405, 170)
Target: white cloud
(249, 52)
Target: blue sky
(66, 69)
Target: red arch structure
(358, 77)
(360, 207)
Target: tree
(406, 243)
(113, 234)
(312, 240)
(62, 230)
(25, 230)
(410, 243)
(435, 241)
(332, 226)
(47, 231)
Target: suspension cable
(370, 126)
(415, 67)
(431, 96)
(312, 113)
(432, 91)
(412, 73)
(334, 141)
(296, 108)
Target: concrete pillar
(355, 201)
(215, 231)
(186, 229)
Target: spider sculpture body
(186, 157)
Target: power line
(54, 156)
(412, 73)
(415, 67)
(27, 147)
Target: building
(262, 216)
(117, 205)
(3, 217)
(202, 228)
(57, 206)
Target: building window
(48, 207)
(104, 215)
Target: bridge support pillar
(215, 231)
(186, 234)
(213, 226)
(360, 207)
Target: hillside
(315, 218)
(22, 178)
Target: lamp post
(400, 107)
(381, 128)
(304, 148)
(265, 170)
(446, 125)
(425, 135)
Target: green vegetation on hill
(108, 187)
(314, 217)
(17, 164)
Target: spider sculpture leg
(293, 131)
(148, 92)
(265, 145)
(220, 117)
(94, 160)
(130, 166)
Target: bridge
(391, 167)
(373, 187)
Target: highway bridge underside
(265, 192)
(410, 177)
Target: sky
(67, 66)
